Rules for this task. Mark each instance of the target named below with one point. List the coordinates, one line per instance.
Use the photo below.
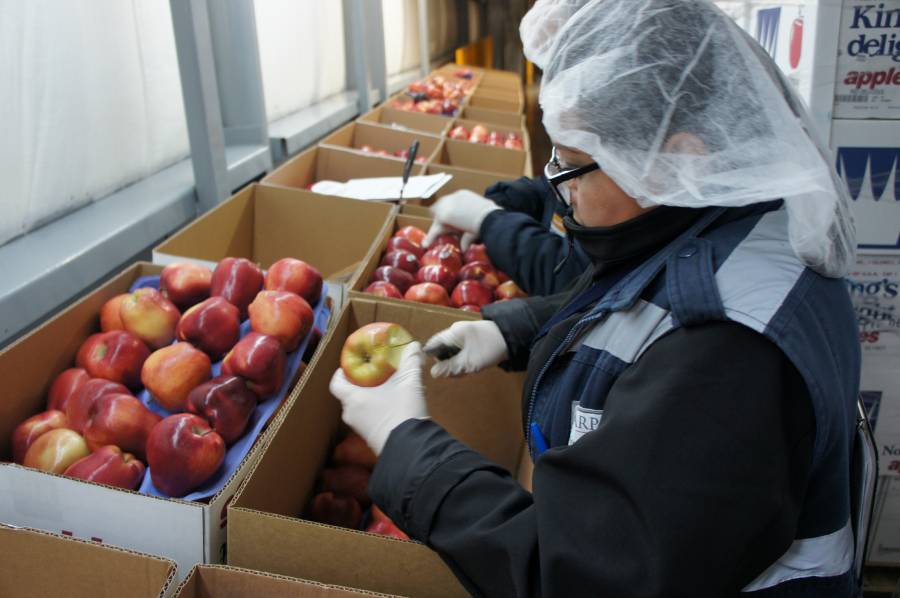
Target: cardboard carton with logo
(222, 581)
(405, 120)
(266, 526)
(265, 224)
(357, 135)
(38, 564)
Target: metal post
(374, 26)
(355, 52)
(424, 45)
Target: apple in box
(64, 387)
(109, 465)
(185, 284)
(401, 259)
(380, 288)
(150, 317)
(479, 134)
(372, 353)
(483, 273)
(174, 371)
(226, 403)
(183, 452)
(213, 326)
(55, 450)
(438, 274)
(404, 244)
(496, 139)
(477, 252)
(259, 359)
(459, 132)
(237, 280)
(78, 409)
(397, 277)
(282, 314)
(122, 420)
(295, 276)
(342, 511)
(428, 292)
(382, 525)
(443, 255)
(110, 318)
(353, 450)
(32, 428)
(508, 290)
(116, 355)
(513, 141)
(347, 480)
(471, 292)
(413, 233)
(448, 239)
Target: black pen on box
(407, 168)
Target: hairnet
(623, 78)
(541, 23)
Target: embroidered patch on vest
(557, 225)
(584, 420)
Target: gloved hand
(462, 211)
(374, 411)
(479, 345)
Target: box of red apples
(503, 162)
(38, 564)
(489, 134)
(303, 510)
(222, 581)
(440, 94)
(442, 275)
(405, 120)
(264, 224)
(497, 99)
(491, 116)
(379, 140)
(156, 385)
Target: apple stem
(201, 431)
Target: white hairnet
(622, 77)
(541, 23)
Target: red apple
(284, 315)
(428, 292)
(513, 142)
(32, 428)
(78, 409)
(116, 355)
(150, 317)
(108, 465)
(413, 233)
(459, 132)
(508, 290)
(121, 420)
(109, 313)
(372, 353)
(380, 288)
(496, 139)
(438, 274)
(183, 452)
(295, 276)
(174, 371)
(443, 255)
(472, 308)
(483, 273)
(348, 480)
(353, 450)
(401, 259)
(479, 134)
(397, 277)
(258, 359)
(471, 292)
(447, 239)
(65, 386)
(213, 326)
(237, 280)
(477, 252)
(382, 525)
(342, 511)
(185, 284)
(226, 403)
(55, 450)
(404, 244)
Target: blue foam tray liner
(264, 409)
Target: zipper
(531, 401)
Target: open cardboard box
(222, 581)
(470, 124)
(265, 528)
(323, 163)
(483, 158)
(37, 564)
(406, 120)
(493, 101)
(265, 224)
(187, 532)
(355, 135)
(492, 116)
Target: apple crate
(37, 564)
(405, 120)
(187, 531)
(266, 530)
(499, 161)
(492, 116)
(370, 139)
(468, 125)
(222, 581)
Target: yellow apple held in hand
(371, 355)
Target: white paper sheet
(385, 188)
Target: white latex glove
(480, 345)
(374, 411)
(462, 211)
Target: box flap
(221, 581)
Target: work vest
(743, 270)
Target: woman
(689, 406)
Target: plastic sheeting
(91, 102)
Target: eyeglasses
(557, 176)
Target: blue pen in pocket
(540, 445)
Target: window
(401, 35)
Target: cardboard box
(265, 530)
(884, 539)
(265, 224)
(406, 120)
(466, 178)
(38, 564)
(484, 158)
(186, 532)
(868, 159)
(488, 115)
(874, 286)
(332, 164)
(492, 101)
(470, 124)
(222, 581)
(379, 137)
